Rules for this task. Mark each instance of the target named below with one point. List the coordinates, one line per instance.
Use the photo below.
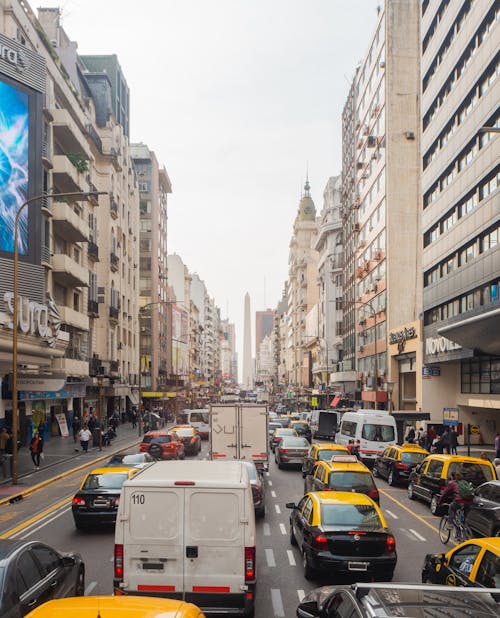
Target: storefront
(405, 362)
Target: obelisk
(247, 346)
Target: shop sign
(450, 416)
(70, 390)
(63, 425)
(14, 56)
(401, 337)
(430, 372)
(438, 345)
(28, 383)
(35, 318)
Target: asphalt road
(281, 583)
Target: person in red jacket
(451, 495)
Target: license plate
(357, 566)
(100, 503)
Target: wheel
(444, 531)
(183, 456)
(155, 451)
(80, 583)
(434, 505)
(280, 465)
(411, 495)
(293, 540)
(375, 471)
(261, 513)
(390, 479)
(308, 570)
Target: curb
(29, 490)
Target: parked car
(483, 515)
(390, 600)
(32, 573)
(117, 607)
(189, 437)
(473, 563)
(321, 452)
(342, 533)
(278, 434)
(132, 460)
(428, 480)
(397, 462)
(342, 473)
(96, 502)
(162, 444)
(290, 451)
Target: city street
(46, 515)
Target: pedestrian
(134, 419)
(36, 448)
(496, 463)
(431, 434)
(410, 436)
(437, 445)
(484, 455)
(421, 436)
(445, 440)
(85, 436)
(497, 445)
(91, 423)
(350, 446)
(77, 425)
(4, 437)
(453, 441)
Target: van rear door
(214, 536)
(154, 550)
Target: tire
(155, 451)
(293, 540)
(434, 505)
(80, 582)
(444, 532)
(411, 495)
(261, 513)
(308, 570)
(280, 466)
(375, 471)
(390, 479)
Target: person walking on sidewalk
(4, 438)
(497, 445)
(85, 436)
(36, 448)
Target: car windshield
(184, 432)
(475, 473)
(105, 481)
(163, 439)
(284, 422)
(293, 442)
(378, 433)
(136, 458)
(327, 453)
(347, 481)
(300, 426)
(412, 459)
(285, 432)
(350, 516)
(273, 426)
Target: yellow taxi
(342, 473)
(116, 607)
(397, 461)
(96, 502)
(342, 533)
(473, 563)
(321, 452)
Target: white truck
(239, 431)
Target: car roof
(328, 446)
(341, 466)
(491, 542)
(10, 546)
(341, 497)
(115, 470)
(459, 458)
(408, 446)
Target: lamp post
(15, 417)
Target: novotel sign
(438, 345)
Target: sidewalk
(62, 455)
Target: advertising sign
(63, 425)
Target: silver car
(292, 450)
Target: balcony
(93, 308)
(74, 318)
(71, 366)
(65, 175)
(68, 224)
(114, 261)
(93, 251)
(114, 312)
(113, 206)
(67, 134)
(46, 257)
(69, 273)
(113, 366)
(94, 136)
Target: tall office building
(460, 71)
(247, 345)
(263, 327)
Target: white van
(374, 429)
(197, 419)
(186, 530)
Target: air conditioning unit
(357, 227)
(381, 64)
(361, 348)
(371, 142)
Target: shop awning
(411, 415)
(335, 401)
(134, 397)
(478, 332)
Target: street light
(81, 195)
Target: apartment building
(380, 203)
(460, 89)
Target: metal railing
(93, 251)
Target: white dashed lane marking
(90, 587)
(278, 510)
(282, 528)
(419, 536)
(301, 595)
(277, 602)
(267, 530)
(391, 514)
(273, 493)
(291, 557)
(271, 562)
(270, 483)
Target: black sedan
(483, 516)
(132, 460)
(32, 573)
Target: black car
(385, 600)
(32, 573)
(134, 460)
(483, 515)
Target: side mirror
(68, 561)
(291, 505)
(308, 610)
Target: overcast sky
(236, 98)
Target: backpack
(465, 489)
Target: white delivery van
(186, 530)
(374, 429)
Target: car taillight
(442, 488)
(193, 439)
(283, 450)
(118, 561)
(249, 564)
(321, 541)
(390, 544)
(117, 501)
(401, 466)
(373, 494)
(79, 501)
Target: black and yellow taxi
(475, 562)
(342, 473)
(321, 452)
(428, 480)
(96, 502)
(342, 533)
(397, 461)
(117, 607)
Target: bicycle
(461, 531)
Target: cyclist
(457, 494)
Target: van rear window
(378, 433)
(475, 473)
(156, 439)
(351, 481)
